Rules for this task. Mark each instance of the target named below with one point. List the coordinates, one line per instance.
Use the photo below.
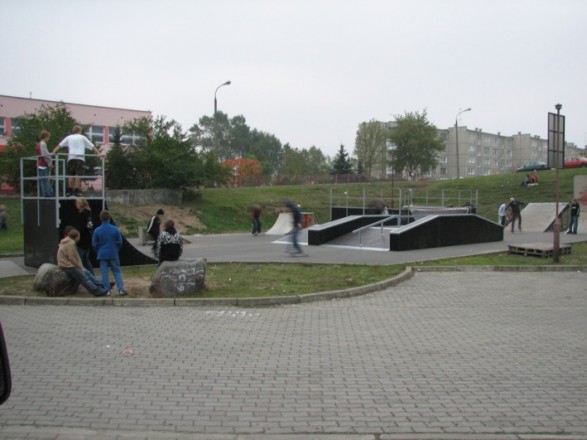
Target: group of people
(73, 254)
(80, 238)
(510, 211)
(77, 144)
(530, 179)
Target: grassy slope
(224, 210)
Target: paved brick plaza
(441, 355)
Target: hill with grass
(225, 210)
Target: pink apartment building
(98, 122)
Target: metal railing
(381, 223)
(60, 178)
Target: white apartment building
(479, 153)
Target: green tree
(370, 148)
(417, 143)
(57, 120)
(342, 163)
(164, 157)
(267, 149)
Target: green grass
(11, 240)
(224, 210)
(242, 280)
(578, 257)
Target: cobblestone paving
(443, 354)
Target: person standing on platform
(575, 212)
(77, 144)
(106, 242)
(84, 224)
(44, 164)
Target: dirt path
(183, 217)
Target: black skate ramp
(430, 231)
(444, 230)
(43, 230)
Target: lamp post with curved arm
(227, 83)
(457, 139)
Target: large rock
(53, 281)
(179, 278)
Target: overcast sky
(307, 71)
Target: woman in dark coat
(84, 224)
(169, 246)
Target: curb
(268, 301)
(271, 301)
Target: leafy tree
(57, 120)
(316, 162)
(370, 148)
(267, 149)
(293, 166)
(164, 158)
(242, 168)
(342, 164)
(417, 143)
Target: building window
(472, 159)
(130, 138)
(14, 126)
(2, 127)
(95, 133)
(471, 171)
(472, 148)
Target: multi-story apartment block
(98, 122)
(478, 153)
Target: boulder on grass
(179, 278)
(53, 281)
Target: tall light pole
(457, 139)
(557, 221)
(227, 83)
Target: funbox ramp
(539, 217)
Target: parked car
(533, 166)
(576, 162)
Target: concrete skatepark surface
(475, 355)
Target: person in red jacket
(44, 164)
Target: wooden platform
(542, 250)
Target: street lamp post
(457, 140)
(227, 83)
(557, 220)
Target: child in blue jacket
(107, 241)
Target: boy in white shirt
(77, 144)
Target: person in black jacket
(169, 246)
(516, 213)
(575, 211)
(84, 224)
(297, 227)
